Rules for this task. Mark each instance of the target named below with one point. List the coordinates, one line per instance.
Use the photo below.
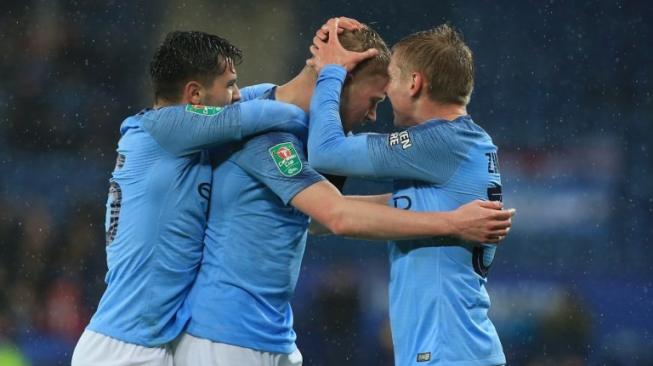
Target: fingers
(496, 236)
(495, 205)
(313, 50)
(317, 42)
(321, 34)
(349, 23)
(503, 214)
(334, 30)
(365, 55)
(370, 53)
(343, 23)
(494, 239)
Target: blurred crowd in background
(564, 88)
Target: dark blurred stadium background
(563, 87)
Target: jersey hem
(492, 361)
(122, 337)
(239, 340)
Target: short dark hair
(189, 55)
(444, 59)
(362, 39)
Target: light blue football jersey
(254, 246)
(157, 210)
(438, 300)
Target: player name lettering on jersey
(402, 138)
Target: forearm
(318, 229)
(356, 218)
(370, 221)
(329, 150)
(182, 131)
(254, 91)
(380, 199)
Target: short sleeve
(278, 160)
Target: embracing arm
(254, 91)
(382, 199)
(186, 129)
(479, 221)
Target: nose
(236, 95)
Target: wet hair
(189, 55)
(362, 39)
(444, 59)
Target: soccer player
(159, 192)
(438, 300)
(256, 233)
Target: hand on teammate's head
(344, 23)
(330, 51)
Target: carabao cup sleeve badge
(204, 110)
(286, 159)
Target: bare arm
(318, 229)
(480, 222)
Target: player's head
(436, 65)
(365, 86)
(195, 67)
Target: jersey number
(115, 201)
(483, 255)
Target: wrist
(334, 70)
(450, 228)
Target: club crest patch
(203, 110)
(286, 159)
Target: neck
(426, 110)
(160, 103)
(299, 90)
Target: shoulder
(185, 110)
(461, 130)
(272, 139)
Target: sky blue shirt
(254, 246)
(438, 301)
(157, 209)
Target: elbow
(340, 228)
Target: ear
(416, 84)
(193, 92)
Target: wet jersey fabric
(438, 300)
(157, 210)
(254, 245)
